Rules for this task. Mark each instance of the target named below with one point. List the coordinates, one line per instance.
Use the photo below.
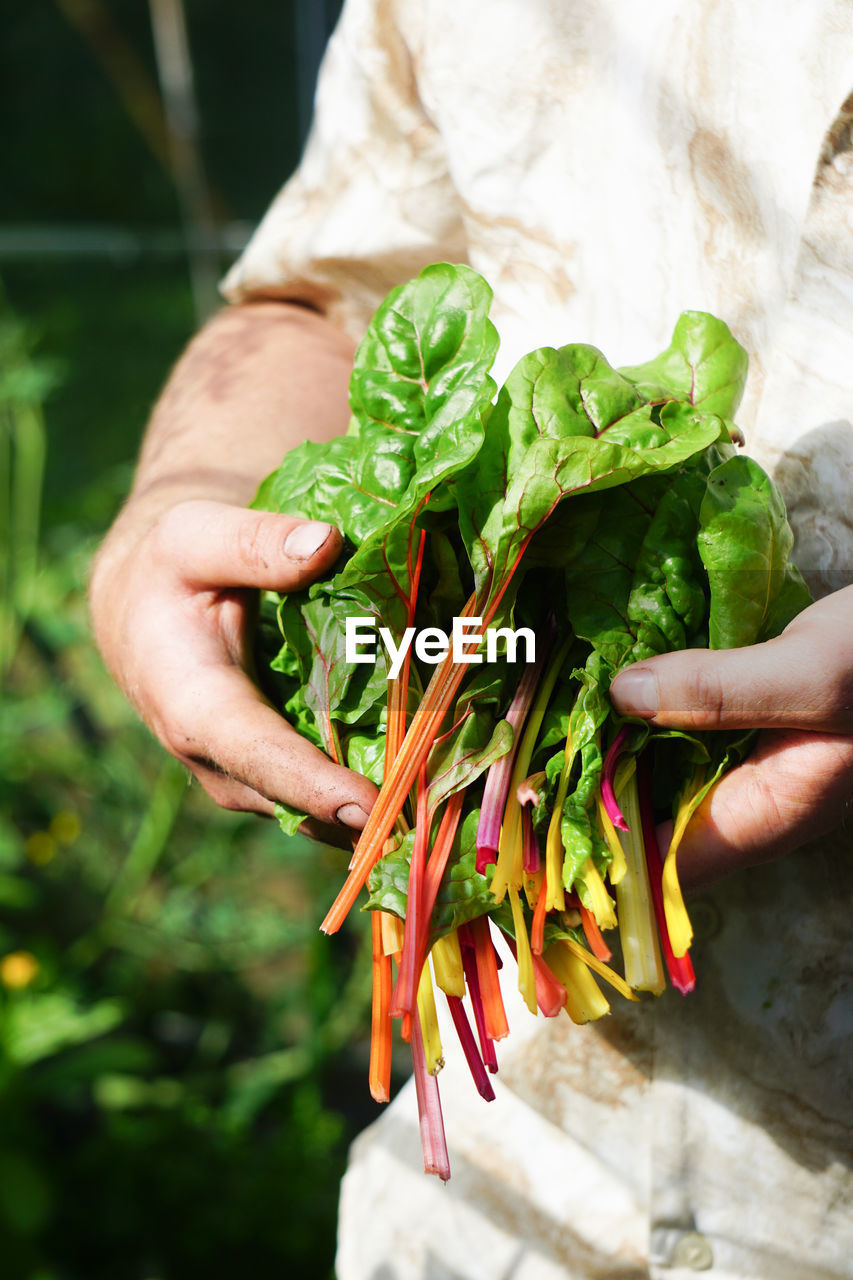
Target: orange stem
(487, 972)
(425, 725)
(537, 929)
(379, 1076)
(592, 933)
(406, 986)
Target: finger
(212, 544)
(227, 792)
(339, 837)
(793, 788)
(792, 681)
(233, 726)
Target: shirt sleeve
(372, 202)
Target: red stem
(469, 1048)
(469, 964)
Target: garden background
(182, 1055)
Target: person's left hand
(798, 780)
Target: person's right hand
(172, 607)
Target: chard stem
(425, 726)
(433, 1138)
(469, 1048)
(585, 1001)
(447, 965)
(523, 954)
(512, 839)
(379, 1073)
(469, 964)
(679, 968)
(499, 775)
(405, 988)
(428, 1019)
(608, 796)
(640, 949)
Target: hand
(172, 609)
(797, 688)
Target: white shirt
(606, 166)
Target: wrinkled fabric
(606, 166)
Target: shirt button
(692, 1250)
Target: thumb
(216, 545)
(802, 679)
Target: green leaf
(745, 541)
(704, 365)
(598, 583)
(419, 390)
(289, 819)
(39, 1025)
(667, 604)
(522, 473)
(421, 371)
(578, 830)
(365, 752)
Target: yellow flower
(65, 827)
(17, 969)
(41, 848)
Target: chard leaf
(457, 761)
(667, 603)
(421, 372)
(447, 595)
(578, 829)
(289, 819)
(332, 689)
(793, 596)
(476, 739)
(420, 389)
(744, 541)
(522, 473)
(464, 893)
(598, 584)
(388, 883)
(339, 481)
(365, 752)
(704, 365)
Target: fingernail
(351, 815)
(635, 693)
(306, 539)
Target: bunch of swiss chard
(606, 511)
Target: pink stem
(404, 995)
(498, 777)
(433, 1137)
(608, 796)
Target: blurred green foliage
(183, 1057)
(175, 1098)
